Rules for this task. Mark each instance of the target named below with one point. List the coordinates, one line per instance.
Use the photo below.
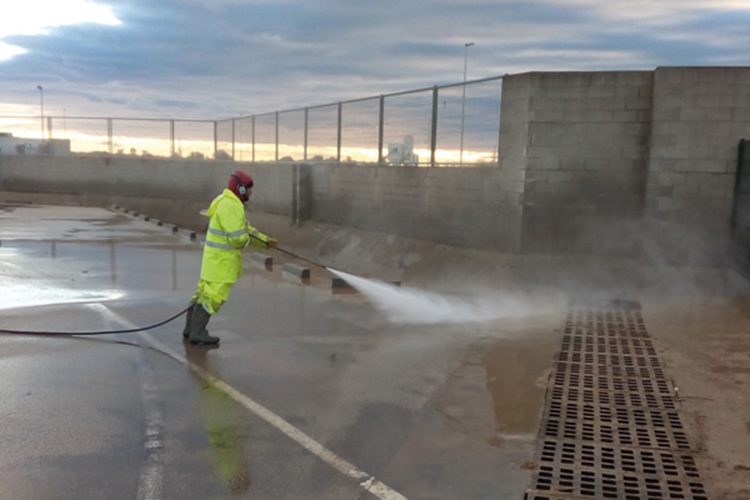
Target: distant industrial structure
(402, 154)
(17, 146)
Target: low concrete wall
(171, 190)
(454, 206)
(466, 207)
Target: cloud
(38, 17)
(8, 51)
(235, 57)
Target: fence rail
(450, 125)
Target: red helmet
(240, 184)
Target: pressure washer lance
(291, 254)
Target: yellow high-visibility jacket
(228, 233)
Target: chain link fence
(449, 125)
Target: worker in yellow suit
(228, 233)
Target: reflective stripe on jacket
(228, 233)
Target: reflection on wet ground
(225, 423)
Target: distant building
(402, 154)
(16, 146)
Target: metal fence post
(232, 138)
(463, 117)
(738, 180)
(380, 130)
(109, 134)
(276, 155)
(216, 138)
(338, 135)
(304, 155)
(499, 124)
(171, 137)
(252, 136)
(433, 129)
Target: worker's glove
(272, 242)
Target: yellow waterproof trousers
(211, 295)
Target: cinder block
(340, 285)
(262, 259)
(296, 271)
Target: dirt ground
(705, 345)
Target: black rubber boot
(198, 333)
(188, 321)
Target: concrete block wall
(173, 190)
(741, 215)
(477, 207)
(583, 149)
(699, 117)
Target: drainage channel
(611, 426)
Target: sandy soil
(705, 345)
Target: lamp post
(41, 102)
(463, 103)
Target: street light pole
(41, 101)
(463, 103)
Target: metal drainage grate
(578, 369)
(610, 427)
(616, 434)
(569, 375)
(673, 465)
(599, 397)
(578, 482)
(624, 360)
(608, 344)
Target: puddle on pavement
(57, 272)
(29, 295)
(516, 373)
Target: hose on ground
(98, 332)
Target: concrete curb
(262, 259)
(146, 218)
(341, 285)
(296, 271)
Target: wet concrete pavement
(434, 411)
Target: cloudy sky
(223, 58)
